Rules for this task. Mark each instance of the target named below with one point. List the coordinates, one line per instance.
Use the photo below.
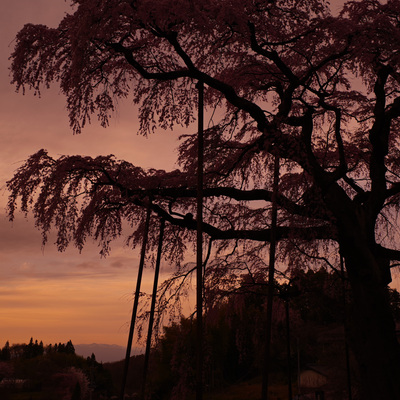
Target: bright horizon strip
(86, 308)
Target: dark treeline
(34, 349)
(35, 371)
(235, 331)
(234, 334)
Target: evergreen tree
(5, 353)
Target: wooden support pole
(288, 353)
(135, 303)
(271, 285)
(152, 308)
(199, 245)
(346, 344)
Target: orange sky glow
(51, 296)
(44, 294)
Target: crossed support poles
(135, 302)
(152, 307)
(199, 272)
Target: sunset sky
(55, 296)
(44, 294)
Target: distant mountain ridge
(104, 352)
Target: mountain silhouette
(104, 352)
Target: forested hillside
(34, 371)
(316, 302)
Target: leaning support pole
(135, 302)
(271, 285)
(288, 355)
(199, 245)
(346, 344)
(152, 308)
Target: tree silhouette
(288, 79)
(33, 349)
(5, 353)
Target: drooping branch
(109, 190)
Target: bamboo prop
(153, 307)
(288, 354)
(199, 245)
(346, 344)
(136, 302)
(271, 285)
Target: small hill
(104, 352)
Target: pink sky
(48, 295)
(55, 296)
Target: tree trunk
(372, 329)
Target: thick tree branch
(342, 168)
(262, 235)
(379, 138)
(160, 76)
(389, 254)
(288, 145)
